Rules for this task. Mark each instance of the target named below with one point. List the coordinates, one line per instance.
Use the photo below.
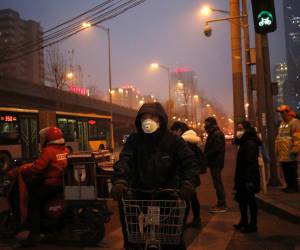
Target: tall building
(14, 34)
(292, 37)
(183, 88)
(280, 76)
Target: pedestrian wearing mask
(247, 177)
(288, 147)
(193, 141)
(215, 155)
(154, 158)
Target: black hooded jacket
(157, 160)
(215, 147)
(247, 168)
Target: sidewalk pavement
(284, 205)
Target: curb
(279, 209)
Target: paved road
(217, 232)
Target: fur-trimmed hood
(191, 137)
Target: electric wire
(74, 29)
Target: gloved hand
(186, 191)
(118, 190)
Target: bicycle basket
(159, 219)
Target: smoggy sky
(166, 31)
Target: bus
(19, 129)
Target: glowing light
(86, 25)
(154, 65)
(70, 75)
(205, 10)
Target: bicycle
(154, 219)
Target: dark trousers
(218, 184)
(247, 200)
(194, 203)
(290, 174)
(38, 196)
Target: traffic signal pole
(265, 103)
(237, 70)
(246, 40)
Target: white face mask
(239, 134)
(149, 126)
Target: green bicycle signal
(265, 18)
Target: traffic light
(264, 16)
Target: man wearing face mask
(288, 147)
(215, 154)
(154, 158)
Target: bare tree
(56, 67)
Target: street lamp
(206, 10)
(236, 54)
(107, 30)
(157, 66)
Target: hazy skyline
(167, 31)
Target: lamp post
(237, 72)
(107, 30)
(156, 66)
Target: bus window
(68, 127)
(9, 130)
(98, 130)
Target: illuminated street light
(205, 10)
(86, 25)
(233, 16)
(156, 65)
(70, 75)
(107, 30)
(207, 105)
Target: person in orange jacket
(288, 147)
(50, 164)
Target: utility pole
(237, 70)
(245, 25)
(265, 102)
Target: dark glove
(186, 191)
(118, 190)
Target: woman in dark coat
(247, 177)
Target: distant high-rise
(14, 33)
(291, 88)
(280, 75)
(183, 88)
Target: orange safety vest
(288, 141)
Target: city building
(183, 89)
(291, 88)
(16, 35)
(280, 74)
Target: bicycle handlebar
(154, 190)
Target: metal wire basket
(154, 220)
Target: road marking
(112, 241)
(217, 233)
